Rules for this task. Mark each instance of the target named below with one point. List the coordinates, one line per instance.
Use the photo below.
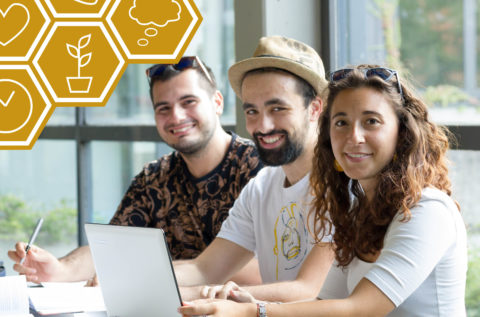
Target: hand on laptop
(229, 290)
(92, 282)
(39, 266)
(217, 308)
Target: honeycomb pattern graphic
(70, 53)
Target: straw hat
(284, 53)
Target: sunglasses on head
(186, 62)
(384, 73)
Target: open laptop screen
(135, 270)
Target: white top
(422, 266)
(269, 219)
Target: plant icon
(80, 84)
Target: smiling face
(186, 114)
(275, 116)
(363, 133)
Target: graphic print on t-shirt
(291, 235)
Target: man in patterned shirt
(188, 192)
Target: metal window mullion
(328, 35)
(470, 45)
(84, 176)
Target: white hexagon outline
(48, 106)
(109, 84)
(152, 56)
(78, 15)
(35, 42)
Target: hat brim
(237, 72)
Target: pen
(32, 238)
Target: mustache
(256, 135)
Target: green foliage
(60, 224)
(472, 295)
(432, 40)
(15, 217)
(431, 55)
(17, 220)
(444, 95)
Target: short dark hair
(209, 85)
(303, 87)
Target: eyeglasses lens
(340, 74)
(383, 73)
(184, 63)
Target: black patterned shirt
(190, 210)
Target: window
(436, 42)
(86, 157)
(35, 183)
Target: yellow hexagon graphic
(79, 63)
(77, 8)
(22, 25)
(24, 107)
(149, 31)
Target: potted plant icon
(80, 84)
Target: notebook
(134, 270)
(14, 296)
(63, 298)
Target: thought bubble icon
(158, 13)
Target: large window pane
(129, 104)
(62, 116)
(114, 164)
(38, 183)
(434, 41)
(465, 173)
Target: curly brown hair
(420, 161)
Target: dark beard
(286, 154)
(191, 149)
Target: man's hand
(39, 266)
(228, 291)
(92, 282)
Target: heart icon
(13, 22)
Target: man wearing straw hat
(281, 88)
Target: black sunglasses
(384, 73)
(185, 62)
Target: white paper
(13, 296)
(66, 298)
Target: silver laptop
(135, 270)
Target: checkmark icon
(16, 106)
(5, 104)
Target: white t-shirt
(270, 220)
(422, 266)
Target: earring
(394, 157)
(337, 166)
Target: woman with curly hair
(379, 178)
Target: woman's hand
(218, 308)
(228, 291)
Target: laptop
(134, 270)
